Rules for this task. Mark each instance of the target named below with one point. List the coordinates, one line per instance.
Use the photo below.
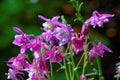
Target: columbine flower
(12, 74)
(22, 40)
(98, 50)
(56, 31)
(78, 43)
(55, 55)
(50, 23)
(38, 68)
(63, 34)
(19, 62)
(37, 45)
(98, 19)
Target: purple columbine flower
(98, 19)
(98, 50)
(12, 74)
(19, 62)
(50, 24)
(36, 46)
(56, 31)
(63, 34)
(78, 43)
(39, 67)
(22, 40)
(49, 37)
(55, 55)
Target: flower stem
(69, 68)
(99, 69)
(73, 67)
(80, 61)
(85, 56)
(66, 73)
(51, 71)
(85, 63)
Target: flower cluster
(50, 47)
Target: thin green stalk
(84, 63)
(73, 67)
(64, 61)
(99, 69)
(66, 73)
(80, 61)
(51, 71)
(85, 56)
(48, 76)
(76, 73)
(69, 68)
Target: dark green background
(23, 14)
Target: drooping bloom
(55, 55)
(12, 74)
(78, 43)
(98, 19)
(98, 50)
(22, 40)
(19, 62)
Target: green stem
(73, 67)
(66, 73)
(51, 70)
(84, 63)
(48, 76)
(80, 61)
(69, 68)
(64, 61)
(99, 69)
(85, 56)
(77, 76)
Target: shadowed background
(23, 14)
